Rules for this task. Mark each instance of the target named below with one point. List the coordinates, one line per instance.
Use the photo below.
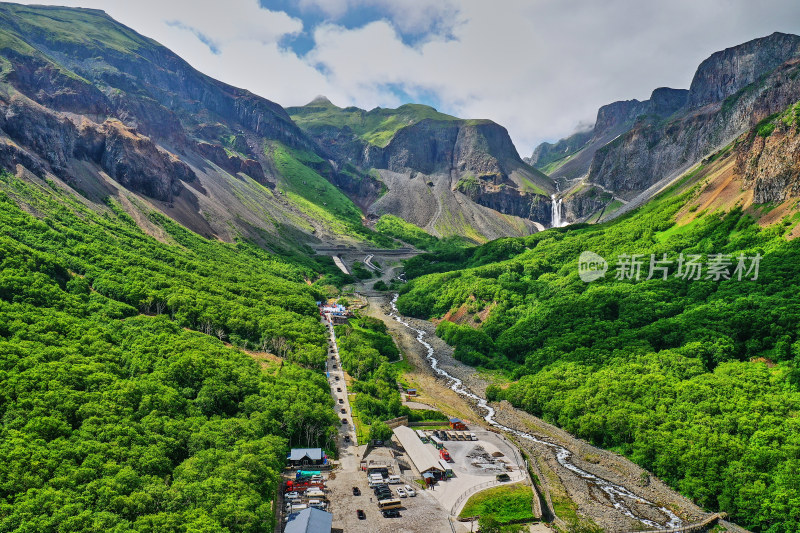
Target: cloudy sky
(539, 67)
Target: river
(616, 494)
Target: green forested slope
(119, 420)
(695, 380)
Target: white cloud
(539, 68)
(410, 16)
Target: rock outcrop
(50, 140)
(730, 70)
(653, 149)
(573, 155)
(473, 157)
(769, 163)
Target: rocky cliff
(638, 145)
(727, 71)
(768, 158)
(653, 149)
(575, 152)
(473, 160)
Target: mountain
(444, 174)
(635, 148)
(107, 112)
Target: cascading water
(555, 211)
(616, 494)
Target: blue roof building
(306, 456)
(309, 520)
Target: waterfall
(555, 211)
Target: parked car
(341, 401)
(385, 496)
(338, 389)
(291, 496)
(401, 492)
(361, 514)
(344, 411)
(410, 491)
(356, 491)
(391, 513)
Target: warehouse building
(424, 457)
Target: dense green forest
(694, 379)
(122, 408)
(366, 349)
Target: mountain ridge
(634, 145)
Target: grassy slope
(88, 29)
(507, 503)
(317, 197)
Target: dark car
(391, 513)
(337, 378)
(344, 411)
(344, 421)
(338, 389)
(361, 514)
(341, 401)
(334, 367)
(356, 491)
(347, 438)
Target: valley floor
(566, 494)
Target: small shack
(309, 520)
(411, 392)
(306, 456)
(456, 423)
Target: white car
(411, 492)
(401, 492)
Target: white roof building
(423, 456)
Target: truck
(444, 454)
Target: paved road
(368, 262)
(349, 453)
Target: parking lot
(420, 513)
(475, 465)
